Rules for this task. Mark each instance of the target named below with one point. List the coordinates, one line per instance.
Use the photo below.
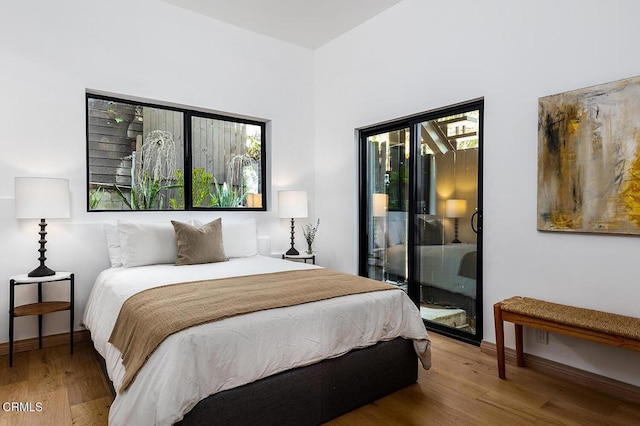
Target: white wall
(422, 55)
(51, 52)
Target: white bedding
(197, 362)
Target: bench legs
(519, 351)
(497, 316)
(499, 324)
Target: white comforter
(195, 363)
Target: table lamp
(380, 206)
(42, 198)
(292, 204)
(380, 202)
(455, 209)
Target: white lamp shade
(292, 204)
(42, 198)
(455, 208)
(380, 202)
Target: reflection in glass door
(388, 200)
(420, 223)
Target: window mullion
(188, 195)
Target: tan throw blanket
(149, 317)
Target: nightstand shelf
(41, 307)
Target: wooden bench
(588, 324)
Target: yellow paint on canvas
(630, 195)
(573, 119)
(573, 126)
(563, 220)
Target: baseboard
(574, 375)
(47, 341)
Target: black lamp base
(41, 271)
(292, 252)
(455, 234)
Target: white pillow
(240, 239)
(113, 244)
(147, 243)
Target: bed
(301, 364)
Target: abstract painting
(589, 159)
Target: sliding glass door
(420, 227)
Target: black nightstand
(301, 256)
(41, 307)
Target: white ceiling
(308, 23)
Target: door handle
(477, 226)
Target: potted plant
(309, 232)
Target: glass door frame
(415, 187)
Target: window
(137, 155)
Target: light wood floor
(462, 388)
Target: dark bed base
(316, 393)
(313, 394)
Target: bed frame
(313, 394)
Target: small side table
(301, 256)
(40, 308)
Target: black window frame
(188, 114)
